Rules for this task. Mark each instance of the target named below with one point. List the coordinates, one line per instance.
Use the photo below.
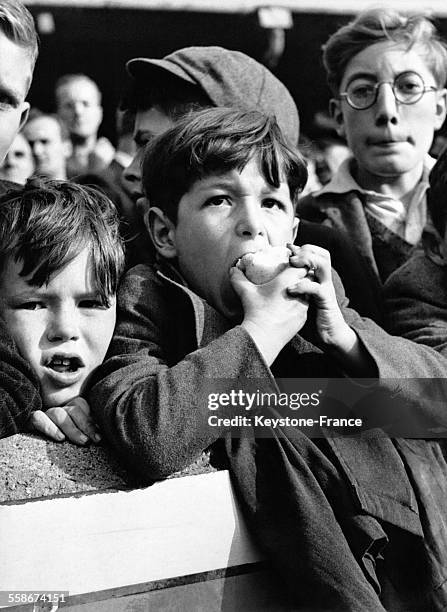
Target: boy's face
(389, 140)
(221, 218)
(61, 328)
(149, 123)
(15, 76)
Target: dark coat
(382, 250)
(19, 387)
(416, 298)
(416, 303)
(323, 510)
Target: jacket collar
(343, 181)
(209, 323)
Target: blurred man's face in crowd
(49, 148)
(15, 77)
(79, 108)
(148, 124)
(18, 164)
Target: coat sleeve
(416, 301)
(412, 373)
(19, 388)
(152, 404)
(395, 357)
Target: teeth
(58, 361)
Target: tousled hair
(47, 223)
(382, 25)
(437, 194)
(17, 24)
(214, 141)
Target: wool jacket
(323, 510)
(382, 250)
(19, 387)
(416, 298)
(416, 303)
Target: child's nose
(250, 222)
(386, 105)
(132, 175)
(63, 325)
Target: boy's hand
(272, 316)
(72, 421)
(317, 284)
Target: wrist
(269, 344)
(339, 336)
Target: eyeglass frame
(425, 89)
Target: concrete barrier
(70, 522)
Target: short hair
(437, 194)
(217, 140)
(173, 96)
(381, 25)
(17, 24)
(36, 113)
(47, 223)
(68, 79)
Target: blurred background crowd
(76, 127)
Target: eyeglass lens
(408, 88)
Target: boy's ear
(336, 113)
(162, 231)
(435, 248)
(441, 107)
(296, 223)
(24, 115)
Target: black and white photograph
(223, 305)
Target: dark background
(98, 42)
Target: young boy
(196, 78)
(222, 184)
(60, 261)
(387, 74)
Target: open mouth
(64, 364)
(237, 262)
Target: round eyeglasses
(408, 88)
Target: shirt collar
(344, 182)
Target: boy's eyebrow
(35, 291)
(229, 184)
(361, 75)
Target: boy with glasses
(387, 73)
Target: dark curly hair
(47, 223)
(213, 141)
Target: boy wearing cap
(387, 73)
(221, 185)
(201, 77)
